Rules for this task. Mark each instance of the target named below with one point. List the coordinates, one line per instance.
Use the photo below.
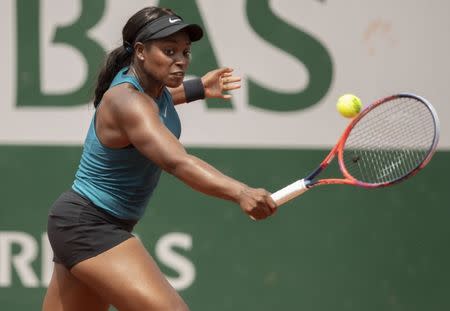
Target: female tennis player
(133, 137)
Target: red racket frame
(339, 150)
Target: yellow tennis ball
(349, 105)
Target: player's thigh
(128, 278)
(67, 293)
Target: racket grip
(289, 192)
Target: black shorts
(78, 230)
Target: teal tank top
(121, 181)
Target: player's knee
(176, 304)
(180, 307)
(172, 306)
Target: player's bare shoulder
(120, 96)
(124, 99)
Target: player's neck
(151, 86)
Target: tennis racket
(386, 143)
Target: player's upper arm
(138, 119)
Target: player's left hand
(219, 81)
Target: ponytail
(116, 60)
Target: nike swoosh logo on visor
(174, 20)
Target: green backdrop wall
(335, 248)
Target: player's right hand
(257, 203)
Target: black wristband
(194, 89)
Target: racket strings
(390, 141)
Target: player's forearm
(206, 179)
(188, 91)
(178, 95)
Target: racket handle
(289, 192)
